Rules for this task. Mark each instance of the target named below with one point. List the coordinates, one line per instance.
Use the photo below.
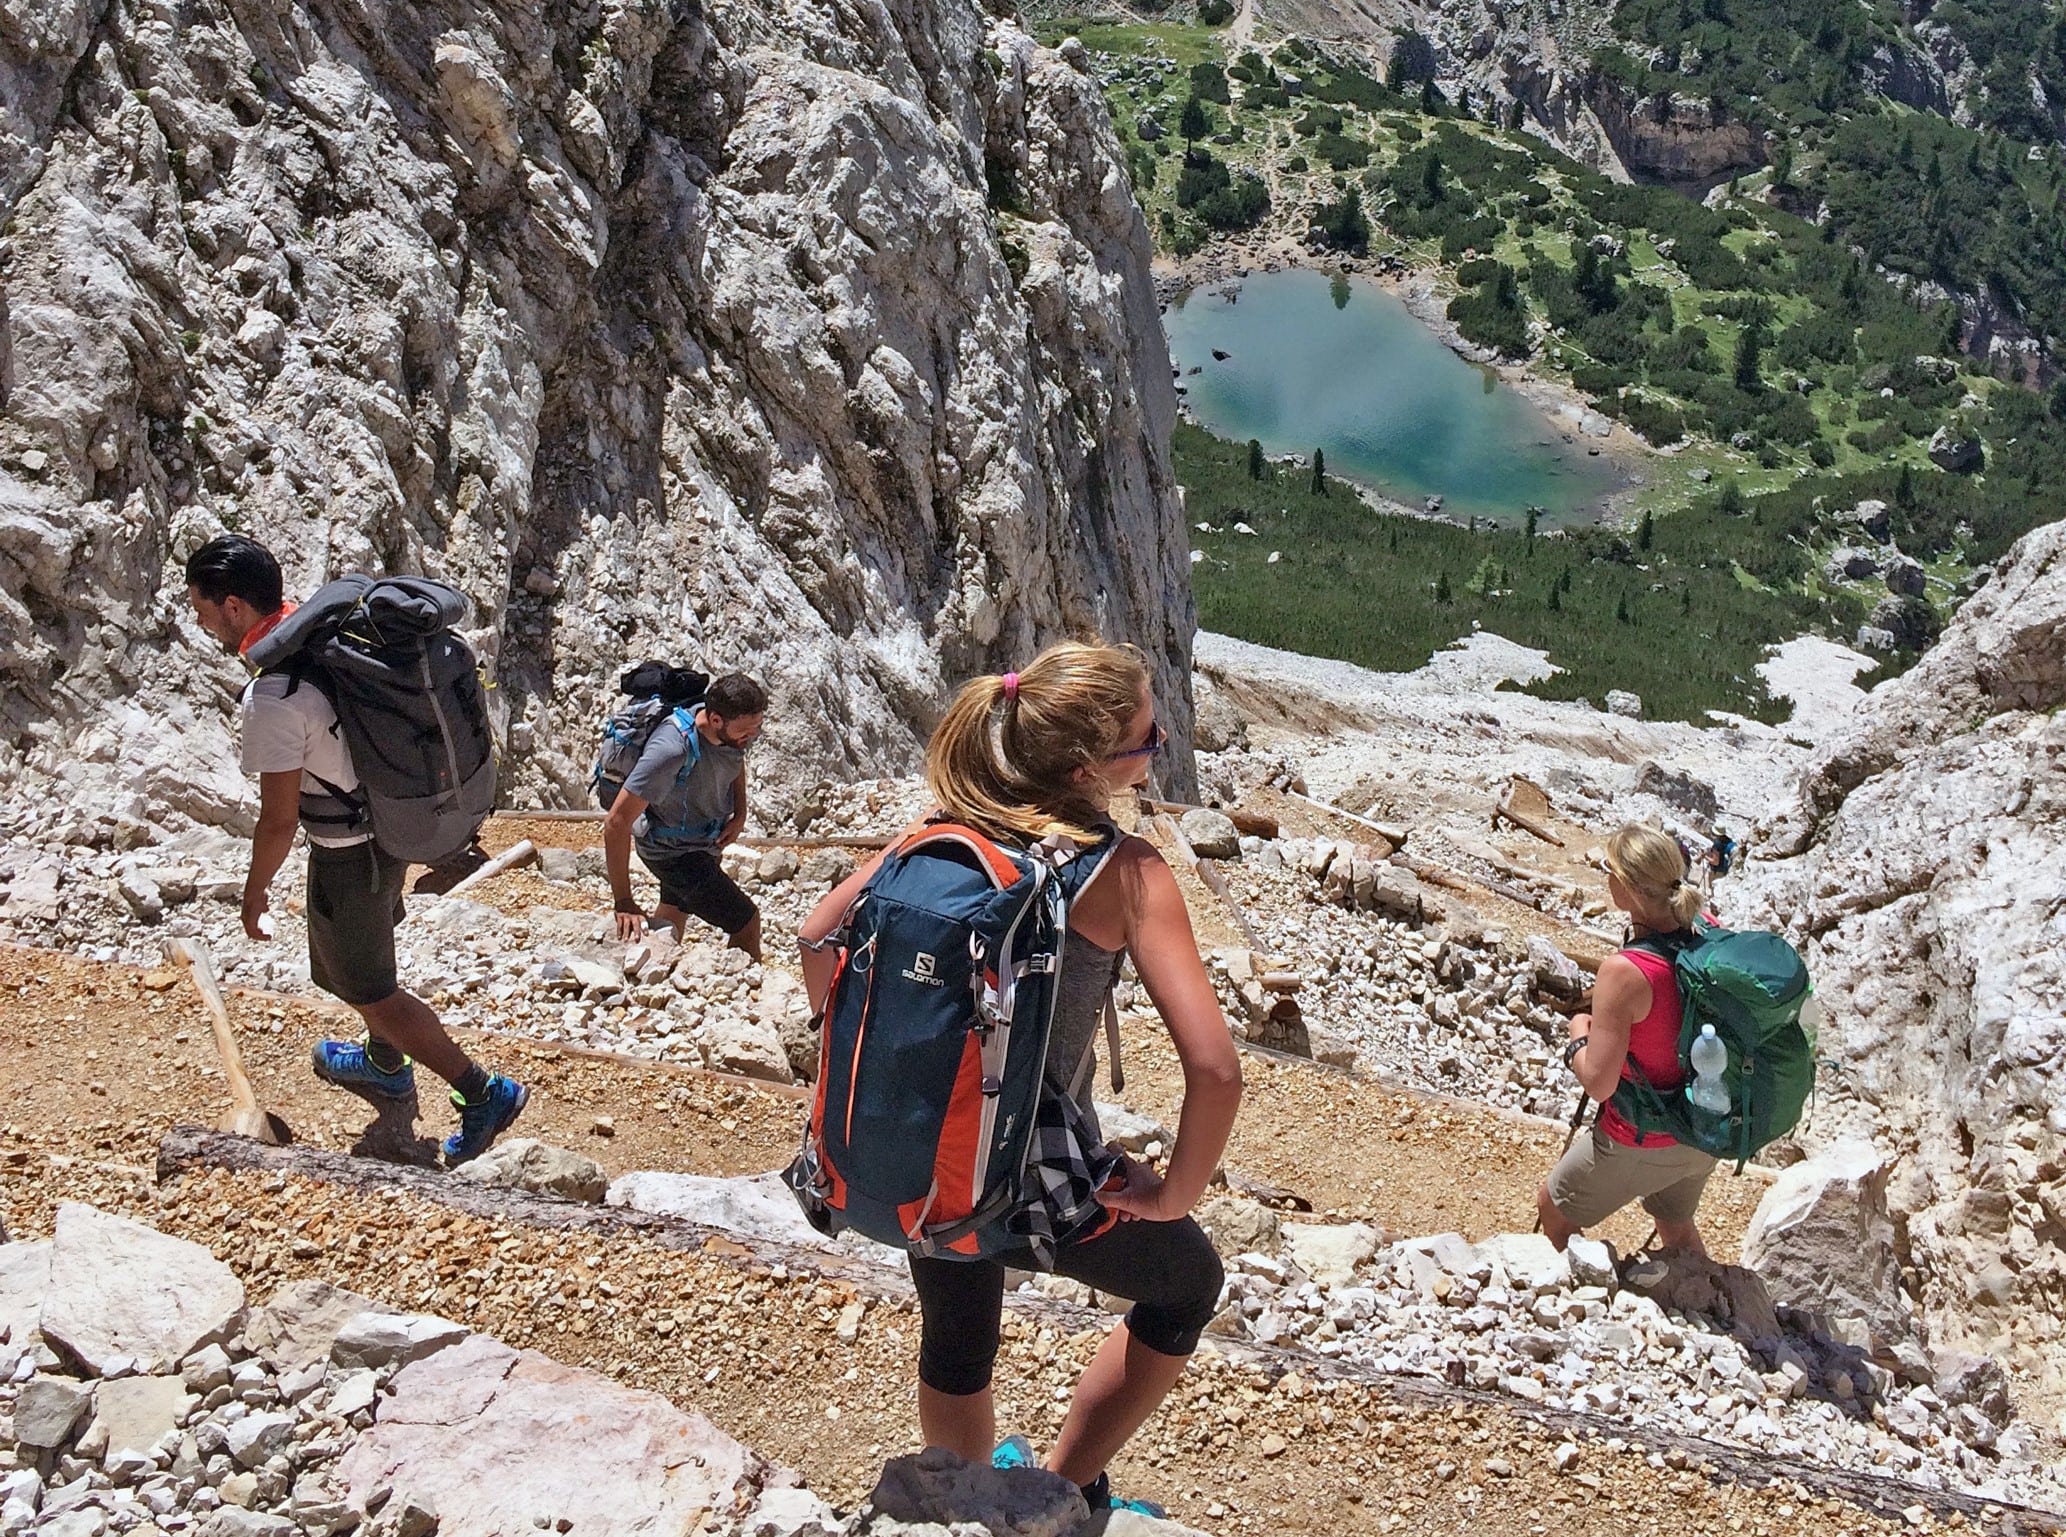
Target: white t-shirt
(282, 731)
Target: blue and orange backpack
(934, 1128)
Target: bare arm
(1620, 998)
(279, 812)
(818, 965)
(1165, 953)
(624, 811)
(737, 824)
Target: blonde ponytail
(1004, 757)
(1652, 863)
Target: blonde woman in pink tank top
(1634, 1023)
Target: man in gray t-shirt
(683, 802)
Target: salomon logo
(921, 970)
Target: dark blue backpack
(932, 1129)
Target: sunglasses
(1156, 737)
(740, 742)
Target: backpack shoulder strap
(995, 861)
(685, 722)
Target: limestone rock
(1905, 577)
(231, 1521)
(751, 1047)
(135, 1413)
(50, 1409)
(541, 1441)
(1591, 1261)
(1211, 834)
(123, 1292)
(1330, 1252)
(525, 1163)
(24, 1278)
(381, 1338)
(561, 865)
(1621, 702)
(298, 1327)
(1955, 449)
(1729, 1294)
(1132, 1131)
(935, 1486)
(256, 1437)
(1237, 1225)
(756, 1206)
(785, 1005)
(1220, 723)
(1850, 565)
(1529, 1259)
(1872, 519)
(33, 894)
(1822, 1240)
(1677, 789)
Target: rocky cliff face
(814, 339)
(1924, 865)
(1680, 140)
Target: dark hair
(235, 567)
(735, 695)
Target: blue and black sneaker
(1099, 1496)
(481, 1121)
(346, 1065)
(1014, 1452)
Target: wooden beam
(522, 852)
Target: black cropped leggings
(1167, 1269)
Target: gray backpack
(409, 702)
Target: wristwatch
(1571, 1048)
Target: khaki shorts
(1599, 1176)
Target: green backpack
(1752, 988)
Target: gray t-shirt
(684, 810)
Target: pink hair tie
(1011, 688)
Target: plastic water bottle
(1710, 1058)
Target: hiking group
(953, 1115)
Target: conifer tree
(1255, 459)
(1319, 473)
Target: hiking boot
(1014, 1452)
(484, 1119)
(346, 1065)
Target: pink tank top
(1653, 1046)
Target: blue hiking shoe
(346, 1065)
(485, 1119)
(1014, 1452)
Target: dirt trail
(97, 1062)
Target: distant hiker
(307, 776)
(1720, 855)
(1634, 1023)
(682, 801)
(1023, 769)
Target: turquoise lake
(1314, 361)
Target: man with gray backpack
(673, 777)
(367, 729)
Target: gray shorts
(354, 903)
(1598, 1176)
